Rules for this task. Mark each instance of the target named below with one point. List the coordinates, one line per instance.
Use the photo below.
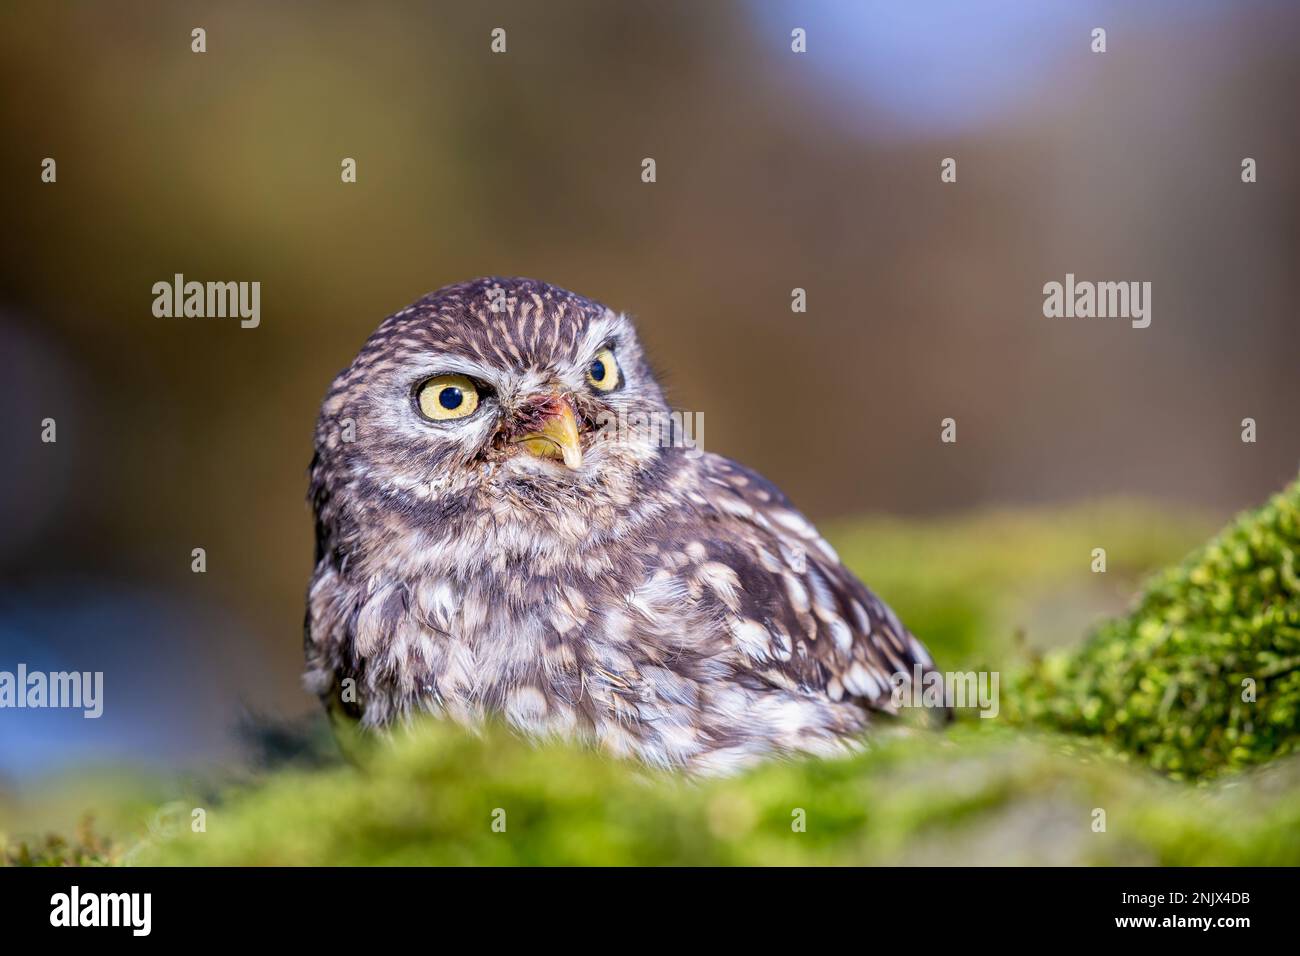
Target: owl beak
(557, 438)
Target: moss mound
(971, 795)
(1204, 675)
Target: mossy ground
(1085, 727)
(969, 795)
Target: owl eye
(603, 371)
(445, 397)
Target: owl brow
(610, 341)
(604, 332)
(456, 366)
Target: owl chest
(584, 665)
(550, 659)
(472, 645)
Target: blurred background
(775, 171)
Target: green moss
(970, 795)
(88, 848)
(1205, 674)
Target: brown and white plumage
(664, 604)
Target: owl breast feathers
(494, 538)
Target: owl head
(497, 395)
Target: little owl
(494, 538)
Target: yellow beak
(557, 438)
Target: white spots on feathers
(526, 709)
(835, 689)
(658, 598)
(793, 522)
(860, 618)
(568, 611)
(782, 647)
(919, 652)
(860, 682)
(735, 507)
(797, 593)
(840, 633)
(754, 639)
(723, 581)
(617, 626)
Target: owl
(500, 535)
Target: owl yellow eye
(603, 371)
(446, 397)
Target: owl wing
(796, 614)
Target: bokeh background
(775, 170)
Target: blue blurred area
(939, 67)
(164, 702)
